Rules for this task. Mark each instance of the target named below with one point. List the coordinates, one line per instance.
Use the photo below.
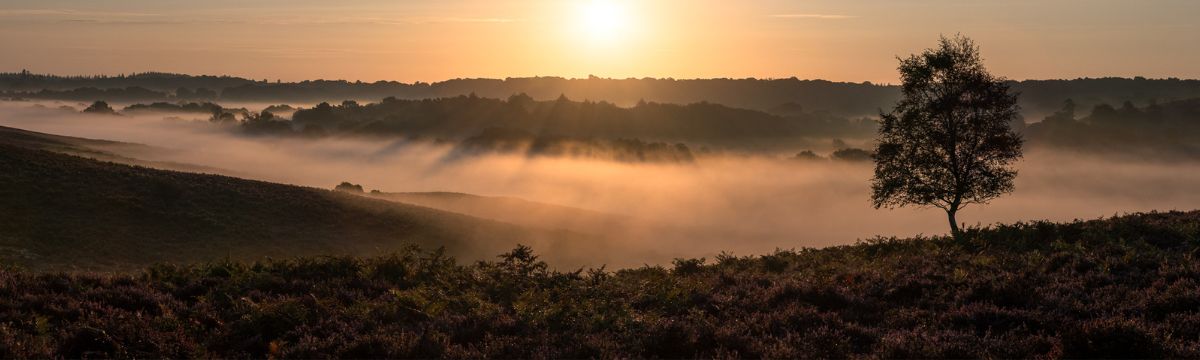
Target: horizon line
(589, 77)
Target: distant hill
(784, 95)
(60, 211)
(156, 81)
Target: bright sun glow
(603, 20)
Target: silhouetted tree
(100, 107)
(851, 154)
(204, 94)
(1064, 115)
(346, 186)
(223, 117)
(948, 142)
(265, 123)
(807, 155)
(281, 108)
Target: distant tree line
(843, 152)
(180, 107)
(160, 82)
(463, 116)
(1170, 129)
(773, 95)
(127, 94)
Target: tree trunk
(953, 222)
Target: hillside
(1116, 288)
(106, 150)
(102, 149)
(65, 212)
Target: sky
(407, 40)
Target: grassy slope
(1123, 287)
(59, 211)
(64, 144)
(106, 150)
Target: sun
(603, 20)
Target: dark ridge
(783, 95)
(64, 212)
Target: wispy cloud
(70, 13)
(82, 16)
(374, 20)
(812, 16)
(135, 18)
(467, 20)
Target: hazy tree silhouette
(100, 107)
(807, 155)
(346, 186)
(851, 154)
(184, 93)
(948, 142)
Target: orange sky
(405, 40)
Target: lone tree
(948, 142)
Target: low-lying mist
(735, 204)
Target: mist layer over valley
(641, 212)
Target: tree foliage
(100, 107)
(948, 142)
(346, 186)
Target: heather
(1120, 287)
